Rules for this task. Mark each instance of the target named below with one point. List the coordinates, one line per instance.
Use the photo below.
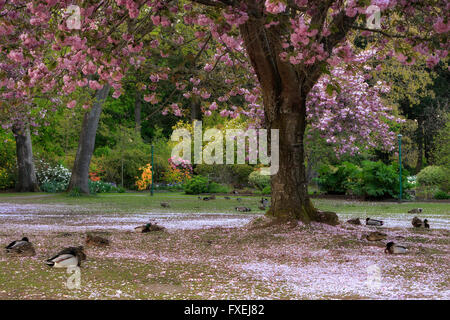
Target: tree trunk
(80, 171)
(420, 143)
(137, 112)
(290, 198)
(284, 94)
(27, 181)
(196, 111)
(285, 88)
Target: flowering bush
(179, 171)
(52, 178)
(146, 177)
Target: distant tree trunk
(137, 112)
(420, 143)
(27, 181)
(80, 171)
(196, 111)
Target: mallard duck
(209, 198)
(376, 236)
(243, 209)
(93, 240)
(415, 210)
(373, 222)
(262, 207)
(417, 223)
(355, 221)
(238, 199)
(165, 205)
(393, 248)
(227, 198)
(68, 257)
(148, 228)
(22, 247)
(264, 202)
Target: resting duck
(92, 240)
(393, 248)
(148, 228)
(264, 202)
(262, 207)
(373, 222)
(417, 223)
(209, 198)
(23, 247)
(243, 209)
(68, 257)
(415, 210)
(354, 221)
(376, 236)
(165, 205)
(227, 198)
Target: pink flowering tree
(278, 57)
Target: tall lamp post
(400, 165)
(153, 173)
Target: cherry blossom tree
(287, 51)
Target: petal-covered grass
(247, 262)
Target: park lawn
(180, 202)
(279, 262)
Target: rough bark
(196, 111)
(285, 88)
(137, 112)
(26, 181)
(86, 144)
(420, 144)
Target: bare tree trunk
(196, 112)
(137, 112)
(420, 144)
(27, 181)
(80, 171)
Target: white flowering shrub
(52, 178)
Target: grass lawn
(248, 262)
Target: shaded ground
(218, 255)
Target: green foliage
(7, 160)
(259, 180)
(266, 191)
(374, 179)
(217, 188)
(101, 187)
(434, 176)
(75, 192)
(441, 153)
(441, 195)
(229, 174)
(340, 179)
(54, 186)
(196, 185)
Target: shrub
(379, 180)
(266, 191)
(229, 174)
(7, 160)
(52, 177)
(196, 185)
(434, 176)
(101, 187)
(441, 195)
(259, 180)
(340, 179)
(217, 188)
(54, 186)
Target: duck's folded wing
(9, 246)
